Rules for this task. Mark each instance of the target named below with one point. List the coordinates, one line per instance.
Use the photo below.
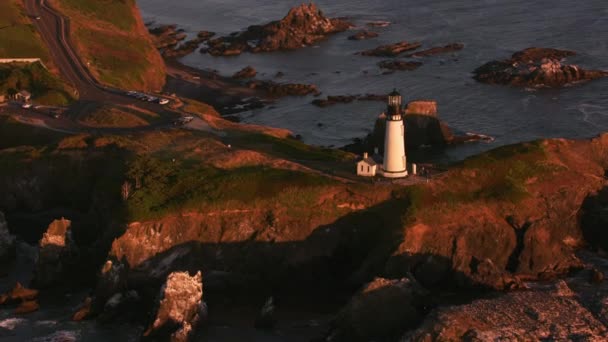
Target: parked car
(152, 99)
(163, 101)
(26, 105)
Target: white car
(26, 105)
(163, 101)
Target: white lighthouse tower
(394, 141)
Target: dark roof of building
(369, 161)
(394, 93)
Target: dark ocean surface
(490, 29)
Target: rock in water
(246, 72)
(381, 310)
(399, 65)
(7, 241)
(535, 67)
(304, 25)
(392, 50)
(266, 319)
(180, 308)
(362, 35)
(56, 247)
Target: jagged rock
(168, 37)
(422, 107)
(362, 35)
(392, 50)
(332, 100)
(246, 72)
(399, 65)
(379, 23)
(266, 319)
(7, 241)
(535, 67)
(381, 310)
(542, 314)
(27, 307)
(303, 26)
(284, 89)
(56, 248)
(84, 311)
(597, 276)
(180, 308)
(437, 50)
(18, 294)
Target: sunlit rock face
(56, 248)
(180, 309)
(303, 26)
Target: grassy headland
(111, 39)
(18, 37)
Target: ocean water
(490, 29)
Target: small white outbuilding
(367, 167)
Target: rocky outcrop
(535, 67)
(363, 35)
(246, 72)
(25, 300)
(437, 50)
(552, 313)
(7, 241)
(277, 90)
(381, 310)
(399, 65)
(423, 129)
(56, 249)
(392, 50)
(170, 41)
(180, 309)
(303, 26)
(333, 100)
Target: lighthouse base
(393, 174)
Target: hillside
(111, 39)
(18, 37)
(257, 219)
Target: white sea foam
(11, 323)
(59, 336)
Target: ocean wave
(11, 323)
(59, 336)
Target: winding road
(54, 29)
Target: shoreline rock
(333, 100)
(391, 50)
(55, 247)
(167, 39)
(535, 67)
(363, 35)
(276, 90)
(437, 50)
(180, 310)
(7, 241)
(246, 72)
(302, 26)
(399, 65)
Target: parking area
(147, 97)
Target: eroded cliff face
(522, 225)
(251, 245)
